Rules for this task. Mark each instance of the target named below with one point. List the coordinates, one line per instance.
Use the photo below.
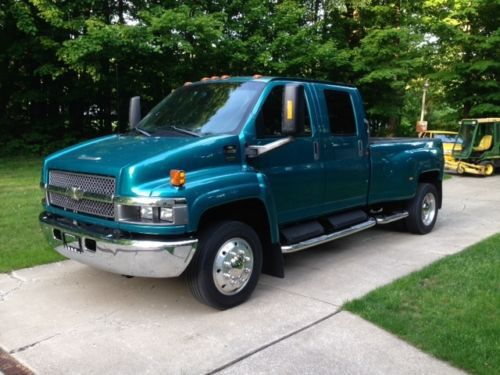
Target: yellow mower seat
(485, 143)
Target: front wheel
(423, 209)
(489, 168)
(226, 266)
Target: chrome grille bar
(104, 185)
(83, 193)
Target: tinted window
(340, 113)
(208, 108)
(269, 118)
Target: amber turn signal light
(177, 177)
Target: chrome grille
(102, 185)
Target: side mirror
(134, 111)
(293, 116)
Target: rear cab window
(340, 113)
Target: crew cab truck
(226, 175)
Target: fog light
(166, 214)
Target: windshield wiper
(184, 131)
(144, 132)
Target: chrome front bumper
(134, 257)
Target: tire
(423, 209)
(227, 264)
(489, 168)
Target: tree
(467, 42)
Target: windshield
(466, 134)
(196, 110)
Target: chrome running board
(328, 237)
(386, 219)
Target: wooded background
(68, 68)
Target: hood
(137, 160)
(106, 155)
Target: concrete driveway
(69, 318)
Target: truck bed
(394, 163)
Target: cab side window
(340, 113)
(270, 116)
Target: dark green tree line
(67, 68)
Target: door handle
(360, 148)
(316, 150)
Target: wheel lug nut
(226, 275)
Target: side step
(329, 237)
(302, 232)
(386, 219)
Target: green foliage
(67, 69)
(466, 52)
(21, 240)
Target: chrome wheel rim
(233, 266)
(428, 209)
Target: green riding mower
(479, 149)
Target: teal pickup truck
(227, 174)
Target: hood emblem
(75, 193)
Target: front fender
(228, 185)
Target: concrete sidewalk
(69, 318)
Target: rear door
(345, 147)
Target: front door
(294, 171)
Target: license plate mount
(72, 242)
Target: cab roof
(266, 79)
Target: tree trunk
(392, 126)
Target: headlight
(151, 211)
(147, 213)
(166, 214)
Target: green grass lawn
(450, 309)
(21, 241)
